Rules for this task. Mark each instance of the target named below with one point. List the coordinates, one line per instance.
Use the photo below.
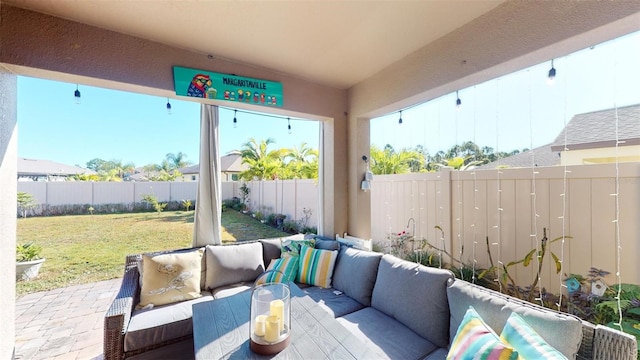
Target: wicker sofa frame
(598, 342)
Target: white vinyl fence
(288, 197)
(509, 208)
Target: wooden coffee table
(221, 331)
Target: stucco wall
(601, 155)
(43, 46)
(8, 168)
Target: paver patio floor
(64, 323)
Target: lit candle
(260, 325)
(272, 329)
(276, 308)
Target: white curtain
(207, 221)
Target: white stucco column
(359, 200)
(8, 185)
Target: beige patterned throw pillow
(170, 278)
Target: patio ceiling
(334, 43)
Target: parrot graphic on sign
(199, 85)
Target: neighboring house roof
(542, 156)
(228, 163)
(597, 129)
(36, 167)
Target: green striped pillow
(529, 344)
(475, 340)
(316, 266)
(287, 267)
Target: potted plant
(28, 261)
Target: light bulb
(76, 94)
(552, 75)
(168, 107)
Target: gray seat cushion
(229, 290)
(560, 330)
(162, 323)
(440, 354)
(231, 264)
(386, 334)
(336, 305)
(355, 273)
(416, 295)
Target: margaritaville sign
(211, 85)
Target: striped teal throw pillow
(287, 269)
(316, 266)
(529, 344)
(475, 340)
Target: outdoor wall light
(552, 74)
(458, 102)
(365, 185)
(76, 94)
(168, 107)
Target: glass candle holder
(270, 318)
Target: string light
(168, 107)
(458, 101)
(289, 125)
(552, 74)
(76, 94)
(235, 120)
(564, 199)
(617, 193)
(400, 120)
(498, 225)
(534, 198)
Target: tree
(388, 161)
(26, 202)
(263, 163)
(301, 163)
(460, 163)
(96, 164)
(111, 175)
(177, 161)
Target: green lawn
(88, 248)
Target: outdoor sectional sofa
(404, 310)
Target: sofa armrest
(611, 344)
(116, 320)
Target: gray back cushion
(416, 296)
(355, 273)
(271, 249)
(230, 264)
(562, 331)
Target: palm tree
(460, 163)
(111, 175)
(115, 168)
(263, 164)
(302, 162)
(388, 161)
(178, 160)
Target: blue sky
(116, 125)
(521, 110)
(131, 127)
